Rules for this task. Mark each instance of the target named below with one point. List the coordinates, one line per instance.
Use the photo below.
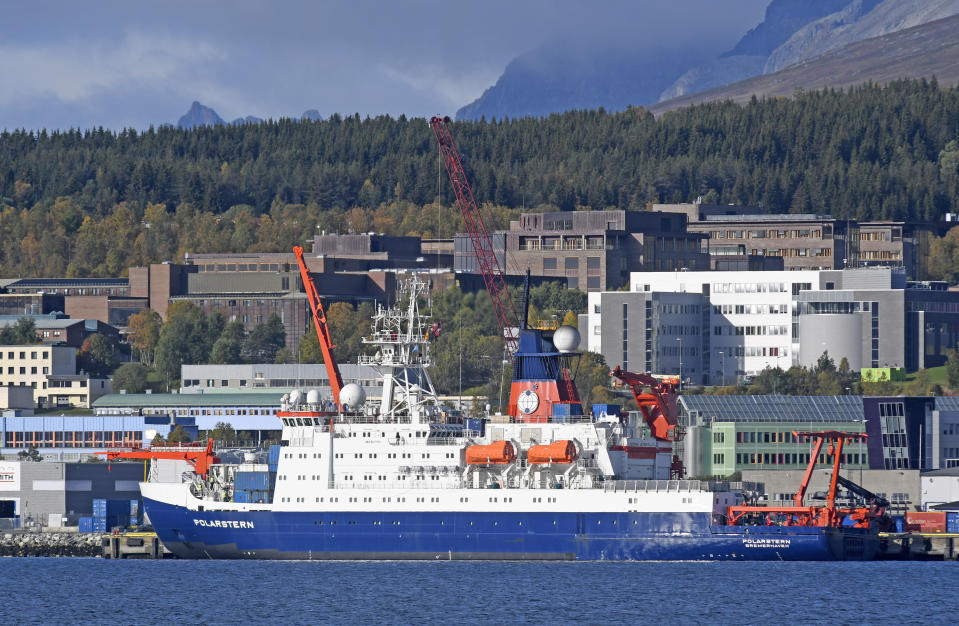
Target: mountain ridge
(926, 50)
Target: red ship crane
(821, 516)
(322, 329)
(479, 236)
(200, 458)
(658, 405)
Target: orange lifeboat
(496, 453)
(563, 451)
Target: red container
(927, 521)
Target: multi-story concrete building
(725, 325)
(807, 242)
(881, 322)
(591, 250)
(749, 321)
(812, 241)
(51, 372)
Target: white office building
(716, 327)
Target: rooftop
(774, 408)
(795, 217)
(69, 282)
(162, 400)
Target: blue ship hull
(324, 535)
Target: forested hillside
(94, 202)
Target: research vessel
(395, 478)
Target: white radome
(312, 396)
(352, 395)
(566, 338)
(296, 396)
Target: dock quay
(134, 545)
(918, 547)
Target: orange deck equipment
(557, 452)
(496, 453)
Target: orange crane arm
(658, 405)
(804, 484)
(833, 436)
(201, 460)
(322, 330)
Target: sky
(70, 64)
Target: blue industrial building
(74, 436)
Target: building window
(549, 263)
(571, 263)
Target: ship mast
(401, 337)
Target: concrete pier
(918, 547)
(134, 546)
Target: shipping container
(85, 524)
(274, 455)
(927, 521)
(608, 409)
(251, 481)
(900, 523)
(952, 522)
(251, 496)
(110, 508)
(475, 424)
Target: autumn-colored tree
(144, 333)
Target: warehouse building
(254, 412)
(275, 377)
(56, 494)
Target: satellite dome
(566, 338)
(352, 395)
(296, 396)
(312, 396)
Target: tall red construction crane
(479, 236)
(322, 330)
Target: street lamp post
(680, 340)
(722, 364)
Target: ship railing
(653, 485)
(402, 484)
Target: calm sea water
(96, 591)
